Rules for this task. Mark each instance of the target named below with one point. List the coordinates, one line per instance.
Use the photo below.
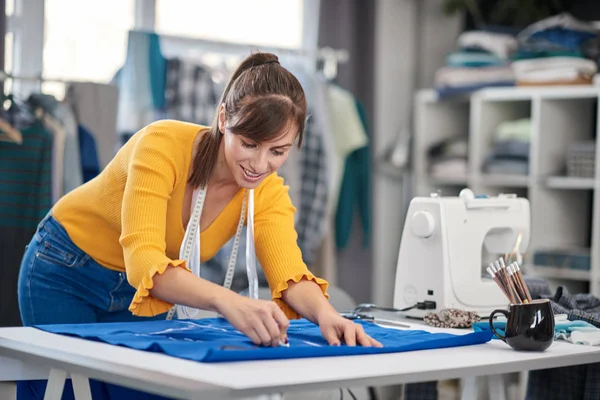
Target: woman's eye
(248, 145)
(277, 152)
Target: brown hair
(261, 99)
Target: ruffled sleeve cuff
(143, 304)
(282, 286)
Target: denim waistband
(49, 225)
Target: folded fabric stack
(577, 332)
(509, 153)
(481, 60)
(556, 51)
(448, 159)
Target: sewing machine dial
(422, 224)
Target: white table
(40, 351)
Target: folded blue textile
(562, 327)
(215, 340)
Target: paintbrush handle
(527, 294)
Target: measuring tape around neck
(190, 247)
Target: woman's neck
(221, 174)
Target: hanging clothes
(139, 84)
(190, 92)
(95, 106)
(355, 191)
(72, 175)
(62, 118)
(347, 130)
(90, 165)
(25, 197)
(58, 155)
(314, 193)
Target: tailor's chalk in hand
(284, 341)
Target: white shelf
(559, 273)
(528, 93)
(438, 181)
(501, 180)
(565, 211)
(566, 182)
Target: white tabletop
(187, 379)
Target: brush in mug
(510, 280)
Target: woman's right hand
(261, 320)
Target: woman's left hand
(336, 328)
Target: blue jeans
(60, 284)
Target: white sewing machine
(440, 260)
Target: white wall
(412, 37)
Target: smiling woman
(110, 249)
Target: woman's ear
(222, 118)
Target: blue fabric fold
(562, 328)
(213, 340)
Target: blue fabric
(215, 340)
(90, 166)
(567, 39)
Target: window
(84, 40)
(276, 23)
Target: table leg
(496, 388)
(56, 384)
(81, 387)
(468, 388)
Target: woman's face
(251, 162)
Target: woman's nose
(261, 162)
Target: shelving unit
(565, 211)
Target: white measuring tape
(190, 248)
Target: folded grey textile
(582, 306)
(506, 166)
(511, 149)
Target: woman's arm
(262, 321)
(290, 280)
(307, 299)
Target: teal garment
(158, 71)
(471, 59)
(529, 54)
(355, 192)
(562, 328)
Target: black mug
(529, 327)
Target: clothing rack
(32, 78)
(329, 57)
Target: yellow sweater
(129, 217)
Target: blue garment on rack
(90, 165)
(215, 340)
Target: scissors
(352, 315)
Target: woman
(108, 251)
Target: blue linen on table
(215, 340)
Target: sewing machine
(441, 263)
